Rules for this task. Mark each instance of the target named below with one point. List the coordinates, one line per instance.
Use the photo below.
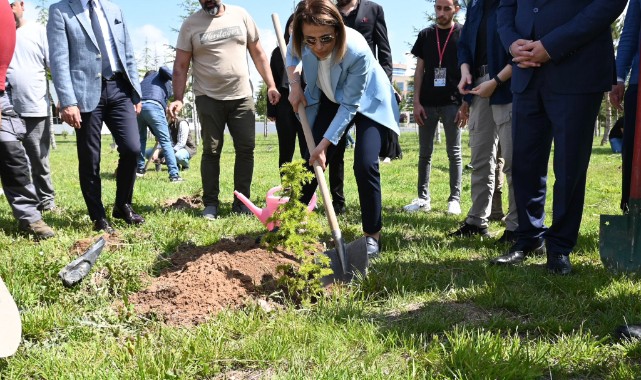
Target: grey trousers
(37, 143)
(489, 126)
(14, 172)
(240, 119)
(446, 114)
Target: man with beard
(368, 19)
(437, 98)
(217, 39)
(96, 78)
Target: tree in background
(261, 101)
(43, 12)
(43, 15)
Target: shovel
(76, 270)
(10, 325)
(346, 260)
(620, 235)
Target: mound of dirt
(201, 281)
(185, 203)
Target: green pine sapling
(298, 233)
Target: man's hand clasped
(528, 53)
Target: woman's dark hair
(287, 24)
(319, 12)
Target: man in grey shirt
(27, 76)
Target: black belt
(481, 71)
(115, 76)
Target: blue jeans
(182, 157)
(153, 117)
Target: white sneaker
(418, 205)
(454, 207)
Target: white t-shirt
(27, 74)
(219, 52)
(324, 81)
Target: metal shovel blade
(620, 243)
(76, 270)
(356, 259)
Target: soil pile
(201, 281)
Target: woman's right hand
(297, 96)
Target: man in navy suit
(563, 63)
(96, 78)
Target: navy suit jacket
(576, 34)
(370, 22)
(75, 57)
(497, 56)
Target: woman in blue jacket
(345, 86)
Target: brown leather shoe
(127, 213)
(38, 229)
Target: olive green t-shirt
(219, 52)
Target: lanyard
(438, 44)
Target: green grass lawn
(431, 306)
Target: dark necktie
(97, 31)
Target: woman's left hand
(318, 154)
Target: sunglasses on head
(324, 40)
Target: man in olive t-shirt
(217, 39)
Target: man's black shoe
(339, 208)
(127, 213)
(516, 254)
(239, 208)
(508, 237)
(559, 264)
(628, 332)
(470, 230)
(102, 224)
(373, 249)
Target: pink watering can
(272, 202)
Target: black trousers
(370, 136)
(116, 109)
(288, 127)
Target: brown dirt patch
(185, 203)
(201, 281)
(112, 243)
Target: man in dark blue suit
(563, 63)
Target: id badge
(440, 76)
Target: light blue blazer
(75, 56)
(360, 85)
